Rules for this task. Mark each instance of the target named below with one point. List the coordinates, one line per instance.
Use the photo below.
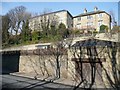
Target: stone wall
(42, 63)
(107, 69)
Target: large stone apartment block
(92, 20)
(56, 18)
(87, 21)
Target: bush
(50, 38)
(103, 29)
(76, 32)
(35, 35)
(95, 32)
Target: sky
(75, 8)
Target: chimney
(85, 10)
(95, 8)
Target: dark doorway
(10, 62)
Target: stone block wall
(110, 61)
(42, 64)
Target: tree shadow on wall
(91, 46)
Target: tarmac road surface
(17, 82)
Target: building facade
(87, 21)
(55, 18)
(92, 20)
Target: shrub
(35, 35)
(103, 29)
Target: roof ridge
(50, 13)
(92, 12)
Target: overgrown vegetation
(16, 31)
(103, 28)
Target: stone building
(62, 16)
(92, 20)
(87, 21)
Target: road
(16, 82)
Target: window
(79, 18)
(89, 17)
(100, 22)
(89, 23)
(79, 25)
(41, 21)
(100, 15)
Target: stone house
(90, 21)
(62, 16)
(87, 21)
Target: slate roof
(53, 12)
(91, 13)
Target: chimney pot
(95, 8)
(85, 10)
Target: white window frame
(100, 22)
(89, 17)
(100, 15)
(78, 25)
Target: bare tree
(114, 23)
(46, 21)
(5, 27)
(58, 53)
(17, 16)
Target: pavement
(45, 78)
(18, 82)
(28, 81)
(63, 81)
